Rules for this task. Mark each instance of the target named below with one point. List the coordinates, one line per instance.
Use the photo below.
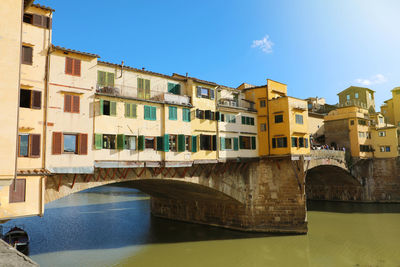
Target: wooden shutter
(77, 67)
(120, 141)
(37, 20)
(83, 144)
(166, 142)
(101, 107)
(68, 65)
(127, 110)
(160, 143)
(243, 120)
(75, 103)
(153, 113)
(222, 143)
(140, 88)
(211, 92)
(147, 112)
(19, 194)
(141, 142)
(36, 99)
(133, 112)
(171, 87)
(214, 143)
(67, 103)
(113, 108)
(273, 142)
(147, 89)
(236, 144)
(181, 143)
(57, 143)
(194, 143)
(98, 141)
(198, 91)
(253, 142)
(34, 143)
(27, 55)
(284, 141)
(101, 78)
(110, 79)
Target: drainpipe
(217, 120)
(19, 95)
(268, 131)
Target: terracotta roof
(194, 79)
(33, 172)
(138, 70)
(396, 88)
(74, 51)
(43, 7)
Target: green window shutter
(101, 78)
(110, 79)
(243, 120)
(140, 88)
(194, 143)
(241, 145)
(147, 89)
(153, 113)
(251, 121)
(248, 120)
(178, 89)
(172, 113)
(222, 142)
(171, 88)
(186, 114)
(133, 111)
(147, 112)
(181, 143)
(159, 143)
(113, 108)
(166, 142)
(141, 142)
(236, 144)
(101, 106)
(120, 141)
(253, 142)
(98, 141)
(127, 110)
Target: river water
(112, 226)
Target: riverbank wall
(11, 257)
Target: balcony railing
(176, 99)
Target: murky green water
(112, 226)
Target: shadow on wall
(349, 207)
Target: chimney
(186, 74)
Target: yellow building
(237, 125)
(364, 135)
(26, 197)
(282, 120)
(391, 108)
(359, 96)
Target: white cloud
(376, 79)
(265, 44)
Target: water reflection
(109, 226)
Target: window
(187, 142)
(279, 118)
(356, 95)
(71, 103)
(370, 95)
(105, 79)
(231, 118)
(209, 115)
(70, 144)
(72, 66)
(247, 120)
(222, 116)
(130, 110)
(245, 142)
(362, 122)
(150, 143)
(37, 20)
(263, 127)
(174, 88)
(294, 141)
(200, 114)
(352, 122)
(387, 148)
(262, 103)
(173, 113)
(143, 88)
(279, 142)
(361, 134)
(173, 146)
(17, 195)
(299, 119)
(109, 141)
(130, 142)
(365, 148)
(381, 120)
(23, 145)
(382, 133)
(348, 97)
(150, 113)
(205, 142)
(29, 145)
(228, 143)
(301, 142)
(203, 92)
(108, 108)
(30, 99)
(27, 55)
(186, 114)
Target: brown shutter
(68, 65)
(83, 144)
(34, 145)
(19, 194)
(57, 143)
(27, 54)
(49, 23)
(37, 20)
(75, 104)
(67, 103)
(36, 99)
(77, 67)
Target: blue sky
(317, 48)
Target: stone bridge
(265, 194)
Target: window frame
(280, 120)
